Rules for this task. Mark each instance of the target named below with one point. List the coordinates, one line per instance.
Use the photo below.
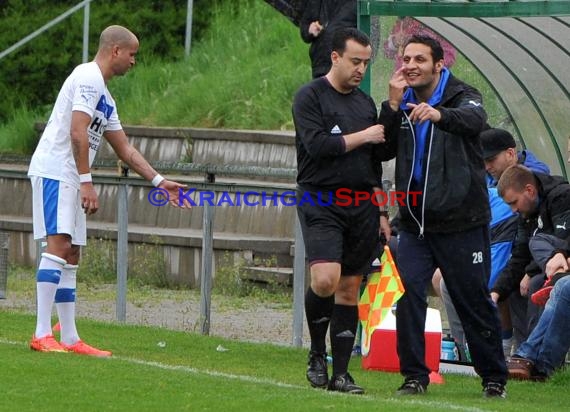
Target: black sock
(343, 329)
(318, 311)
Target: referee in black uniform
(340, 145)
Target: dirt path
(180, 310)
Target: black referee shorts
(348, 235)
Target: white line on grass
(244, 378)
(252, 379)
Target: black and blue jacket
(454, 191)
(552, 218)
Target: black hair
(436, 49)
(341, 36)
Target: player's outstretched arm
(136, 161)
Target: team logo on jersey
(336, 130)
(105, 108)
(87, 92)
(539, 223)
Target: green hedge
(32, 75)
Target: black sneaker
(494, 390)
(317, 373)
(411, 387)
(344, 383)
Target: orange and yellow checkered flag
(383, 289)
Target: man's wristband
(85, 178)
(157, 180)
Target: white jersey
(84, 90)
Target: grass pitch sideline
(187, 372)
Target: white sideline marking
(244, 378)
(252, 379)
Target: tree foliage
(33, 74)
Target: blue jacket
(503, 226)
(551, 218)
(502, 231)
(528, 159)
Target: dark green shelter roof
(525, 58)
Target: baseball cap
(494, 141)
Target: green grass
(17, 135)
(239, 76)
(189, 373)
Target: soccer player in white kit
(63, 192)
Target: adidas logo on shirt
(336, 130)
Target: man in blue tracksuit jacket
(499, 153)
(551, 217)
(437, 120)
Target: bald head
(116, 36)
(118, 47)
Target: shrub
(48, 59)
(147, 265)
(98, 262)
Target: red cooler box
(382, 355)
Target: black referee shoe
(317, 373)
(345, 383)
(494, 390)
(411, 387)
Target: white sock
(47, 279)
(65, 304)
